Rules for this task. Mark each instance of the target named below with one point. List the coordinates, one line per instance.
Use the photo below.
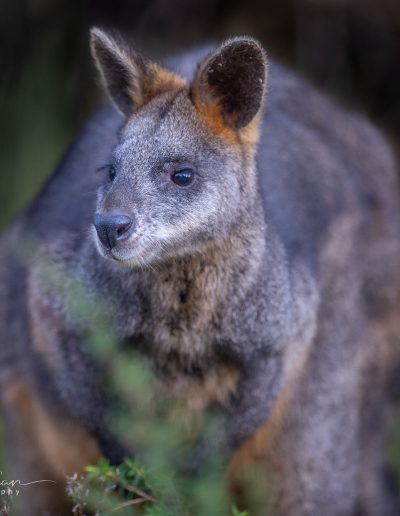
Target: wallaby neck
(205, 279)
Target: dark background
(350, 49)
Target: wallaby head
(182, 174)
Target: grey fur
(285, 265)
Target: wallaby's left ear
(230, 83)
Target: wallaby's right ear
(130, 79)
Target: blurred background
(349, 48)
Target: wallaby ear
(130, 79)
(230, 83)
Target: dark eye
(183, 177)
(112, 172)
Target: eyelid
(176, 166)
(104, 167)
(179, 164)
(182, 168)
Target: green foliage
(109, 489)
(393, 449)
(236, 512)
(126, 489)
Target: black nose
(112, 228)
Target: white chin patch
(139, 257)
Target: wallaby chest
(182, 331)
(183, 309)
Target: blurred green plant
(393, 449)
(126, 489)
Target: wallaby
(254, 258)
